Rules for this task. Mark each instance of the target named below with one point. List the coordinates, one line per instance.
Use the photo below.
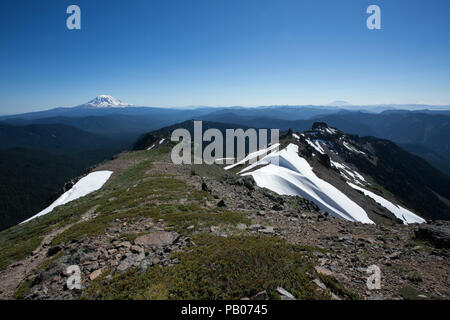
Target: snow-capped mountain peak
(104, 100)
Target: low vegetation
(337, 288)
(218, 268)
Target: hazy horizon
(347, 105)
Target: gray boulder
(157, 239)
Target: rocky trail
(16, 273)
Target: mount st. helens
(156, 230)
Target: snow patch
(347, 172)
(316, 145)
(90, 183)
(222, 160)
(351, 148)
(253, 155)
(288, 173)
(403, 214)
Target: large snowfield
(90, 183)
(403, 214)
(289, 174)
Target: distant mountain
(110, 117)
(416, 107)
(430, 130)
(106, 106)
(105, 101)
(115, 125)
(339, 103)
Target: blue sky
(223, 52)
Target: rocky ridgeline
(414, 260)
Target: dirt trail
(16, 273)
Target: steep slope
(108, 124)
(31, 180)
(439, 160)
(37, 160)
(55, 138)
(407, 177)
(292, 175)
